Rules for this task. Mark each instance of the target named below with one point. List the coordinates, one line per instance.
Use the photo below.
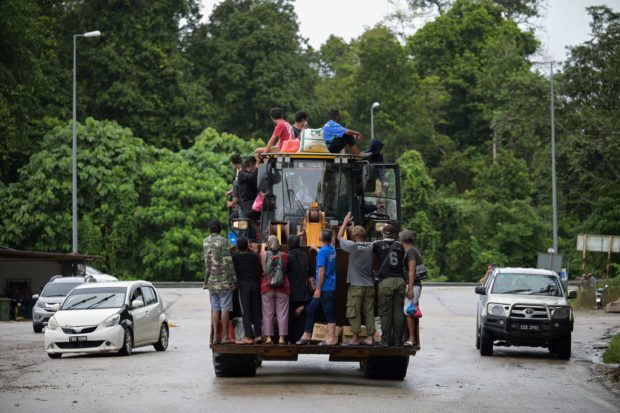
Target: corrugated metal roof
(8, 254)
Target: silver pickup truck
(524, 307)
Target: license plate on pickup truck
(77, 338)
(529, 327)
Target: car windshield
(91, 298)
(59, 289)
(527, 284)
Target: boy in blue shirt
(325, 293)
(337, 137)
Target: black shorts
(339, 143)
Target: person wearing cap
(361, 291)
(413, 258)
(220, 280)
(391, 289)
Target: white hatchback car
(110, 317)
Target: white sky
(565, 22)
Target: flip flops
(351, 344)
(302, 342)
(324, 344)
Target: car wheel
(37, 328)
(486, 343)
(562, 347)
(54, 355)
(127, 343)
(164, 334)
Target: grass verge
(612, 354)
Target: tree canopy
(165, 95)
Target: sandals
(325, 344)
(302, 342)
(350, 344)
(408, 343)
(367, 343)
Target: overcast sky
(565, 22)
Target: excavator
(308, 192)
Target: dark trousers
(296, 323)
(251, 313)
(327, 303)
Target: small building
(23, 273)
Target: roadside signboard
(599, 243)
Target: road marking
(597, 399)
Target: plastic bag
(291, 146)
(409, 307)
(258, 203)
(418, 313)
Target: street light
(372, 119)
(554, 201)
(95, 33)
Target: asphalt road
(447, 375)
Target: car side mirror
(481, 289)
(137, 304)
(572, 294)
(35, 297)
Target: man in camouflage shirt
(220, 280)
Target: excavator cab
(307, 193)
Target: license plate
(77, 338)
(529, 327)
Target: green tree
(36, 210)
(252, 57)
(25, 42)
(136, 73)
(589, 138)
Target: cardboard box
(319, 332)
(347, 334)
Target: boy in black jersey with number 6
(391, 290)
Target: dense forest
(165, 95)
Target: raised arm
(345, 223)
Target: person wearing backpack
(391, 289)
(275, 290)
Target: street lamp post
(74, 148)
(554, 201)
(372, 119)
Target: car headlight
(40, 304)
(52, 324)
(560, 313)
(497, 310)
(111, 321)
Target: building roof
(8, 254)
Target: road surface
(448, 374)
